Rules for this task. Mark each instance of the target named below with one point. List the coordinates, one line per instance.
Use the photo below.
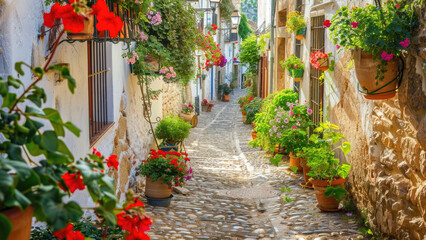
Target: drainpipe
(272, 47)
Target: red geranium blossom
(214, 27)
(326, 24)
(112, 162)
(137, 236)
(110, 22)
(68, 233)
(73, 181)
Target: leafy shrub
(225, 88)
(252, 108)
(172, 129)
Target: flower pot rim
(325, 183)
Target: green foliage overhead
(244, 29)
(226, 9)
(250, 53)
(172, 129)
(262, 41)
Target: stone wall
(388, 157)
(172, 99)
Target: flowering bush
(211, 49)
(295, 22)
(383, 32)
(314, 59)
(169, 167)
(225, 88)
(168, 72)
(187, 108)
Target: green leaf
(337, 192)
(276, 159)
(59, 129)
(343, 170)
(313, 138)
(346, 147)
(288, 200)
(22, 169)
(6, 181)
(34, 149)
(62, 148)
(34, 111)
(49, 141)
(294, 169)
(38, 71)
(13, 82)
(53, 115)
(65, 72)
(9, 100)
(5, 226)
(18, 68)
(72, 128)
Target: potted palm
(296, 24)
(164, 170)
(327, 173)
(377, 36)
(172, 130)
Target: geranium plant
(296, 23)
(169, 167)
(225, 88)
(383, 32)
(319, 60)
(252, 107)
(294, 65)
(32, 132)
(187, 108)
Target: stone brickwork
(388, 157)
(172, 99)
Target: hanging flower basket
(300, 33)
(297, 74)
(87, 33)
(203, 77)
(319, 60)
(365, 70)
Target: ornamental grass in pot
(377, 36)
(172, 130)
(164, 170)
(327, 173)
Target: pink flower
(396, 5)
(405, 43)
(143, 36)
(290, 113)
(326, 24)
(235, 59)
(386, 57)
(354, 24)
(286, 120)
(337, 46)
(294, 127)
(309, 111)
(298, 124)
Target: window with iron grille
(299, 49)
(316, 88)
(100, 112)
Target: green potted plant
(207, 105)
(295, 67)
(327, 173)
(37, 170)
(377, 36)
(252, 108)
(164, 170)
(296, 24)
(226, 89)
(172, 130)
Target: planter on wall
(153, 63)
(300, 33)
(226, 98)
(87, 33)
(296, 162)
(366, 70)
(326, 203)
(21, 222)
(297, 74)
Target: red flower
(137, 203)
(326, 24)
(354, 24)
(180, 169)
(187, 159)
(137, 236)
(75, 236)
(61, 234)
(96, 152)
(112, 162)
(396, 5)
(70, 19)
(109, 22)
(133, 223)
(73, 181)
(214, 27)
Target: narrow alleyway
(236, 193)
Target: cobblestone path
(236, 192)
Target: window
(282, 18)
(100, 112)
(316, 88)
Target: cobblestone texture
(236, 192)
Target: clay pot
(21, 222)
(87, 33)
(300, 33)
(300, 37)
(209, 109)
(306, 169)
(254, 135)
(326, 203)
(323, 62)
(366, 70)
(157, 189)
(226, 98)
(243, 113)
(296, 162)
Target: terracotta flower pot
(254, 135)
(300, 33)
(190, 118)
(226, 98)
(326, 203)
(366, 70)
(21, 222)
(306, 169)
(87, 33)
(209, 109)
(296, 162)
(157, 189)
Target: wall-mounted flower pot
(297, 74)
(226, 98)
(300, 33)
(21, 222)
(323, 62)
(326, 203)
(366, 70)
(203, 77)
(87, 33)
(157, 189)
(296, 162)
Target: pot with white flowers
(327, 173)
(163, 171)
(377, 57)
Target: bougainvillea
(211, 49)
